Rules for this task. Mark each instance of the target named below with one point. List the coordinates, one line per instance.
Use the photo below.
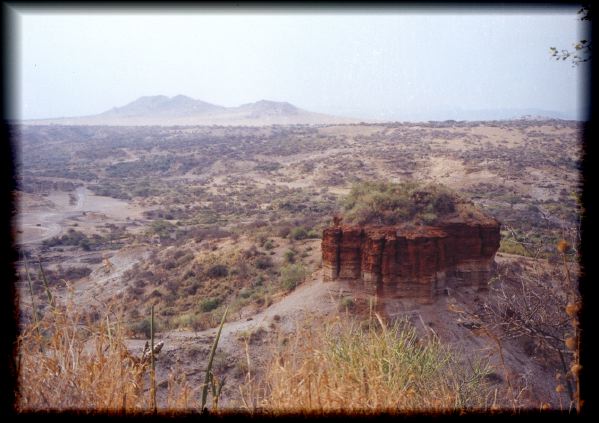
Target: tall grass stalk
(46, 286)
(85, 365)
(352, 366)
(209, 377)
(153, 374)
(33, 306)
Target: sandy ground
(42, 218)
(106, 280)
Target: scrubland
(193, 221)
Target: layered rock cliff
(412, 261)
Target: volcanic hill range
(161, 110)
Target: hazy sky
(389, 63)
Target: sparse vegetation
(292, 275)
(264, 262)
(537, 303)
(389, 204)
(347, 304)
(69, 363)
(351, 367)
(142, 329)
(209, 304)
(220, 225)
(217, 271)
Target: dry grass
(68, 363)
(368, 367)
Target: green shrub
(143, 328)
(292, 275)
(245, 293)
(218, 271)
(162, 228)
(298, 233)
(428, 218)
(183, 321)
(512, 247)
(268, 166)
(72, 237)
(283, 231)
(289, 256)
(391, 203)
(74, 273)
(209, 304)
(444, 203)
(347, 303)
(263, 263)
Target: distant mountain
(161, 105)
(269, 108)
(182, 110)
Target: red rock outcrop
(416, 261)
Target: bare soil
(41, 218)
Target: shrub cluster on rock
(388, 203)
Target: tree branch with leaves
(582, 49)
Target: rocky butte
(417, 261)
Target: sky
(390, 63)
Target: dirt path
(187, 351)
(312, 297)
(81, 194)
(38, 226)
(35, 226)
(34, 233)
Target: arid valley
(195, 220)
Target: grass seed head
(572, 309)
(571, 343)
(575, 369)
(562, 246)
